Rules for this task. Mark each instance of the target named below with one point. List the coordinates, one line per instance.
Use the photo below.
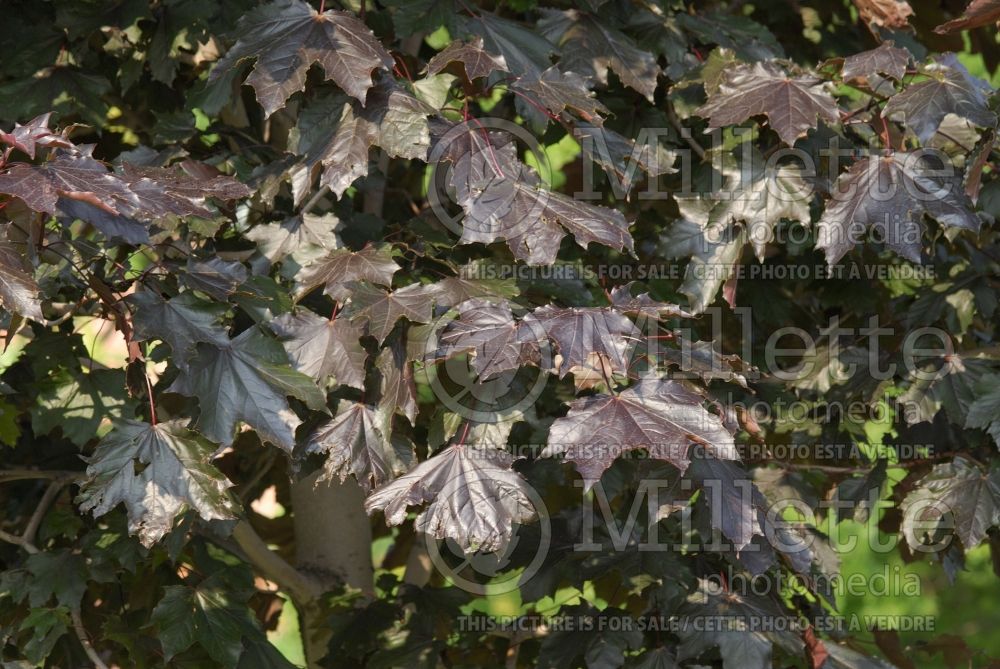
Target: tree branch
(81, 634)
(7, 475)
(302, 588)
(19, 541)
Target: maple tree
(350, 315)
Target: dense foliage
(453, 279)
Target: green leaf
(59, 573)
(213, 614)
(984, 412)
(80, 404)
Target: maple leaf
(984, 412)
(954, 389)
(714, 251)
(286, 37)
(949, 90)
(322, 347)
(34, 133)
(194, 181)
(791, 104)
(303, 238)
(215, 615)
(887, 59)
(701, 359)
(643, 305)
(373, 264)
(523, 50)
(759, 194)
(591, 48)
(73, 184)
(397, 386)
(18, 290)
(356, 442)
(182, 322)
(380, 309)
(80, 403)
(69, 174)
(215, 277)
(478, 156)
(393, 119)
(891, 193)
(958, 489)
(557, 91)
(737, 624)
(623, 157)
(856, 495)
(509, 204)
(473, 497)
(581, 333)
(175, 474)
(453, 290)
(663, 417)
(489, 330)
(734, 501)
(476, 61)
(247, 380)
(892, 14)
(978, 13)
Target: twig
(43, 506)
(315, 199)
(81, 634)
(685, 133)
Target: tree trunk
(332, 545)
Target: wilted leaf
(978, 13)
(892, 14)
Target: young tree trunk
(333, 545)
